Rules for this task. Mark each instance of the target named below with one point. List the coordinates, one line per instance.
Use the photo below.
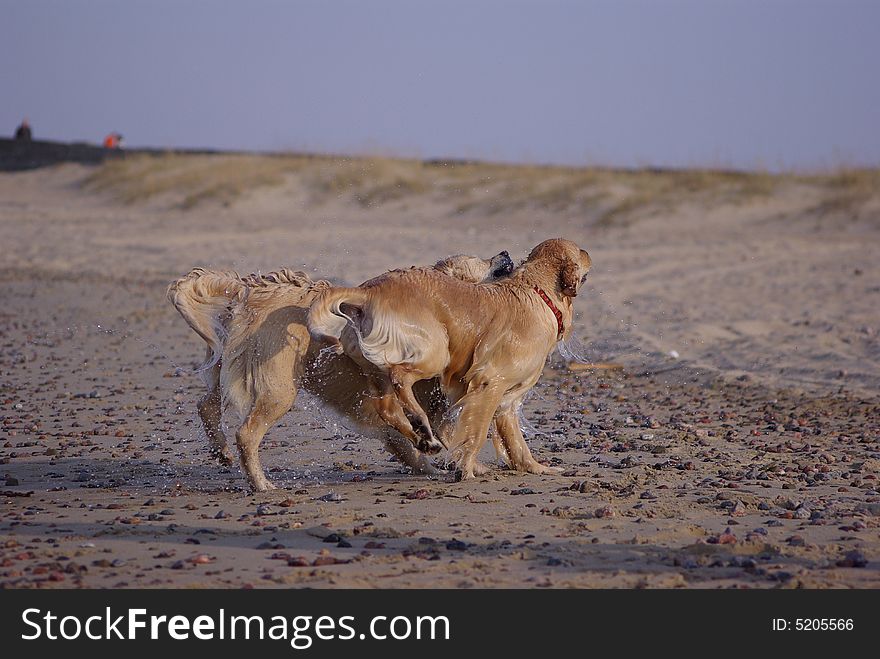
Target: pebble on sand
(853, 558)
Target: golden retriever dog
(259, 354)
(487, 343)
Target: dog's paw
(481, 469)
(263, 485)
(536, 467)
(463, 475)
(224, 457)
(425, 468)
(430, 446)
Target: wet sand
(737, 445)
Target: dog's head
(474, 270)
(564, 260)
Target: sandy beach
(732, 443)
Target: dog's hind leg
(403, 380)
(264, 414)
(387, 406)
(390, 411)
(210, 412)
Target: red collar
(560, 328)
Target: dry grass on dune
(190, 179)
(607, 196)
(847, 191)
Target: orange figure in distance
(113, 141)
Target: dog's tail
(384, 337)
(332, 311)
(204, 298)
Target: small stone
(456, 545)
(872, 509)
(270, 545)
(726, 538)
(782, 575)
(327, 560)
(853, 558)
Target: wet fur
(259, 352)
(487, 343)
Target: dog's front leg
(515, 444)
(477, 409)
(409, 455)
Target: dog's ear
(569, 278)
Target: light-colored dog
(487, 343)
(259, 354)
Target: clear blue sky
(745, 83)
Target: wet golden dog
(488, 343)
(259, 353)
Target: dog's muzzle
(502, 265)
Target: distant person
(113, 141)
(23, 132)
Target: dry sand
(750, 459)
